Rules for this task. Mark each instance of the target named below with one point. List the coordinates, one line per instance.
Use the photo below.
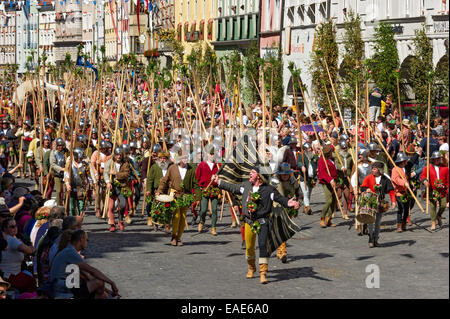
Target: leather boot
(322, 222)
(433, 225)
(112, 228)
(358, 228)
(403, 226)
(233, 223)
(251, 268)
(329, 223)
(97, 214)
(263, 268)
(149, 221)
(283, 253)
(213, 231)
(344, 216)
(365, 229)
(399, 227)
(121, 226)
(200, 227)
(439, 220)
(128, 219)
(308, 210)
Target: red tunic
(322, 173)
(204, 174)
(443, 176)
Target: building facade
(271, 22)
(194, 21)
(69, 32)
(27, 37)
(7, 35)
(302, 17)
(162, 29)
(47, 30)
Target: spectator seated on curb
(92, 281)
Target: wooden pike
(393, 163)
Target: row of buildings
(143, 27)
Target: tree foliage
(251, 67)
(273, 76)
(325, 54)
(351, 70)
(384, 64)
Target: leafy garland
(439, 192)
(126, 192)
(252, 207)
(291, 211)
(162, 213)
(212, 192)
(185, 200)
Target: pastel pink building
(270, 33)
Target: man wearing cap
(375, 99)
(327, 174)
(307, 163)
(26, 134)
(437, 173)
(344, 171)
(76, 181)
(39, 157)
(258, 183)
(376, 155)
(116, 173)
(205, 170)
(378, 178)
(289, 154)
(97, 167)
(287, 186)
(180, 179)
(400, 182)
(57, 165)
(405, 136)
(434, 143)
(156, 172)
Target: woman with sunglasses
(13, 257)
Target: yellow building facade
(194, 22)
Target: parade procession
(216, 148)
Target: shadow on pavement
(316, 256)
(364, 257)
(207, 243)
(293, 273)
(444, 254)
(102, 242)
(400, 242)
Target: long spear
(428, 148)
(393, 163)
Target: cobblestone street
(322, 263)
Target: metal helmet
(60, 142)
(108, 136)
(66, 127)
(94, 130)
(374, 147)
(82, 138)
(27, 122)
(47, 122)
(401, 157)
(109, 144)
(145, 139)
(139, 130)
(118, 150)
(293, 140)
(364, 153)
(133, 144)
(103, 144)
(306, 145)
(156, 148)
(78, 154)
(82, 123)
(436, 154)
(343, 144)
(344, 137)
(126, 148)
(47, 137)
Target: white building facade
(301, 18)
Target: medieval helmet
(60, 142)
(78, 154)
(374, 147)
(156, 148)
